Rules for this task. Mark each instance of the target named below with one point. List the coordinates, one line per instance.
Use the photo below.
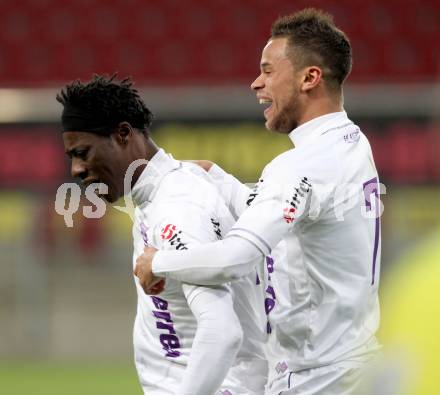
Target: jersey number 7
(371, 187)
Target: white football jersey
(176, 209)
(315, 214)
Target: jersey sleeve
(274, 212)
(181, 226)
(209, 264)
(177, 225)
(217, 341)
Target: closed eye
(78, 153)
(81, 154)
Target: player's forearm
(216, 344)
(209, 264)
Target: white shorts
(328, 380)
(246, 377)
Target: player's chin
(279, 125)
(273, 126)
(270, 124)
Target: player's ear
(123, 133)
(311, 78)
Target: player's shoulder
(318, 161)
(183, 188)
(183, 210)
(297, 163)
(185, 181)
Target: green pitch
(67, 378)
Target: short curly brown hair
(315, 40)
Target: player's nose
(258, 83)
(78, 169)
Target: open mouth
(267, 103)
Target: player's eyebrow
(265, 65)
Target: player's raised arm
(258, 230)
(208, 264)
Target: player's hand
(151, 284)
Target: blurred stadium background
(67, 302)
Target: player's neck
(319, 107)
(151, 149)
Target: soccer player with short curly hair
(314, 215)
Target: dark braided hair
(108, 99)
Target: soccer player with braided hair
(192, 340)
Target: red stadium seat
(217, 42)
